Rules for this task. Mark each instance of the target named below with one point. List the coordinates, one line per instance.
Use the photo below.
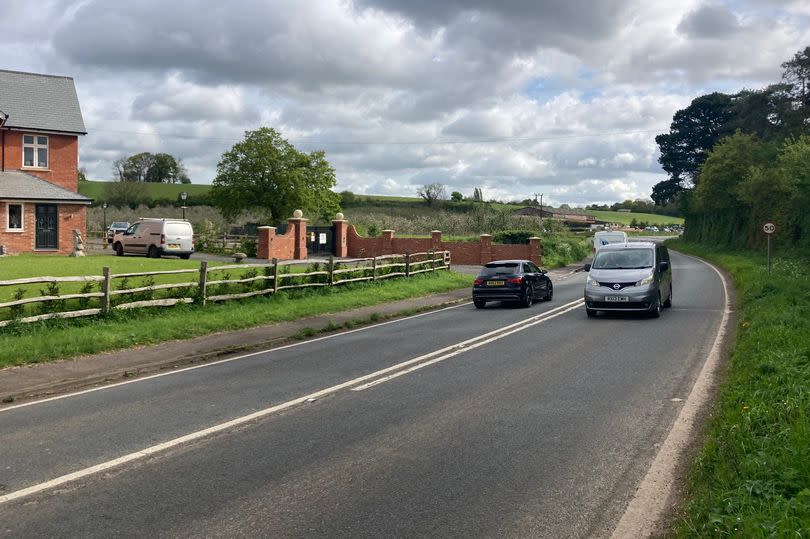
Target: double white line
(470, 344)
(367, 381)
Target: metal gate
(320, 240)
(47, 236)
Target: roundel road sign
(769, 227)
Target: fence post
(203, 282)
(432, 261)
(374, 268)
(407, 264)
(268, 272)
(275, 275)
(105, 289)
(331, 269)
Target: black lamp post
(183, 197)
(104, 227)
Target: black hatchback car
(511, 280)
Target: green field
(626, 218)
(155, 191)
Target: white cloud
(516, 97)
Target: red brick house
(40, 124)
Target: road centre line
(459, 349)
(158, 448)
(227, 360)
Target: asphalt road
(541, 429)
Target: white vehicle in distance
(155, 238)
(606, 237)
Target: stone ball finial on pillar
(298, 214)
(338, 216)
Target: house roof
(16, 185)
(40, 102)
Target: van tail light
(163, 239)
(478, 282)
(515, 280)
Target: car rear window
(178, 229)
(499, 269)
(624, 259)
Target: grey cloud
(709, 21)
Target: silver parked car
(629, 277)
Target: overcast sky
(513, 96)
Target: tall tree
(266, 173)
(432, 192)
(692, 134)
(797, 75)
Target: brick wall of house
(70, 217)
(63, 159)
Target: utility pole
(541, 207)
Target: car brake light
(163, 239)
(478, 281)
(515, 280)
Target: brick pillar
(387, 246)
(341, 227)
(535, 250)
(263, 246)
(486, 248)
(436, 240)
(298, 226)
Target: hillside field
(155, 191)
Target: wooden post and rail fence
(259, 279)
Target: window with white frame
(14, 217)
(35, 151)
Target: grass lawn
(752, 476)
(56, 339)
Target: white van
(606, 237)
(156, 237)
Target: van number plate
(617, 298)
(174, 246)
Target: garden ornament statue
(78, 244)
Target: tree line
(736, 160)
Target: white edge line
(465, 349)
(143, 453)
(649, 503)
(227, 360)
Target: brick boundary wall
(289, 246)
(461, 252)
(348, 243)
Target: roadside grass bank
(59, 339)
(752, 476)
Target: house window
(14, 213)
(35, 151)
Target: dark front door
(320, 240)
(47, 232)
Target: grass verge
(58, 339)
(752, 475)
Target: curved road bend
(538, 429)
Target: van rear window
(178, 229)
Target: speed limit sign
(769, 228)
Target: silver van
(634, 276)
(155, 238)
